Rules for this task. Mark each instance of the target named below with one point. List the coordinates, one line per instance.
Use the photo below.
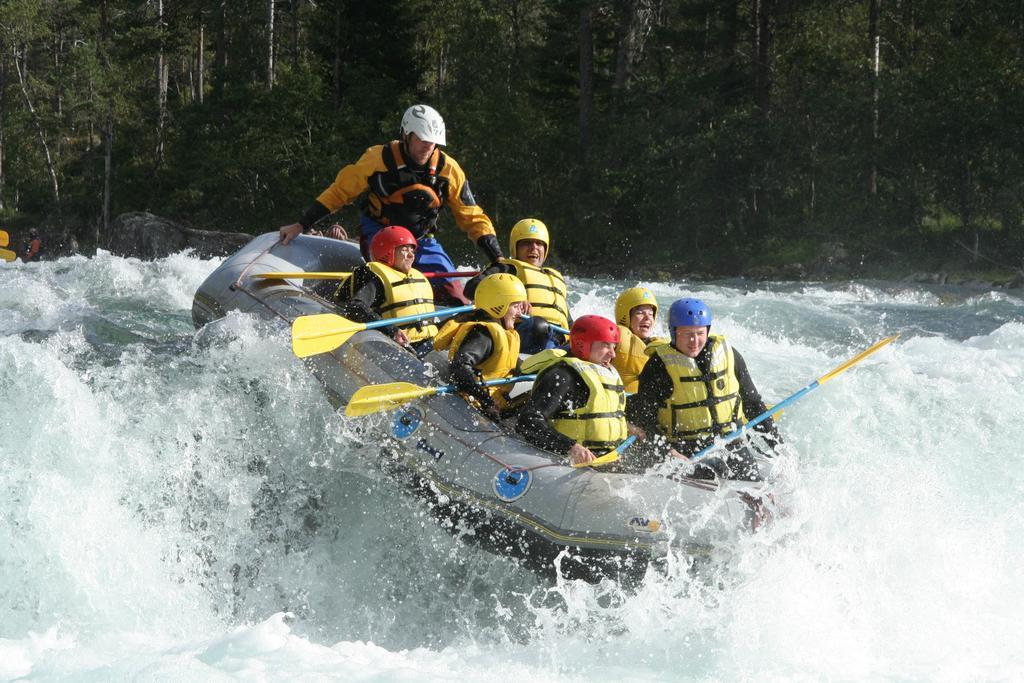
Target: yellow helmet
(529, 229)
(630, 299)
(497, 292)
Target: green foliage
(697, 153)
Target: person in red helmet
(577, 407)
(389, 287)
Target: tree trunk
(762, 55)
(626, 45)
(161, 88)
(108, 172)
(296, 4)
(586, 79)
(338, 42)
(875, 47)
(270, 44)
(37, 124)
(220, 57)
(3, 115)
(200, 79)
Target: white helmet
(425, 122)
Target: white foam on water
(183, 505)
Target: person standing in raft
(389, 287)
(696, 388)
(529, 244)
(636, 309)
(406, 182)
(577, 406)
(483, 345)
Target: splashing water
(186, 505)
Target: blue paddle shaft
(491, 383)
(553, 326)
(732, 436)
(439, 313)
(625, 444)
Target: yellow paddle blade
(377, 397)
(7, 255)
(301, 276)
(605, 459)
(858, 358)
(313, 334)
(5, 239)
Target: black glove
(489, 245)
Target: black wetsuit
(559, 388)
(655, 387)
(475, 349)
(360, 301)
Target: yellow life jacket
(500, 363)
(545, 289)
(631, 357)
(701, 406)
(405, 294)
(600, 425)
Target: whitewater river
(183, 505)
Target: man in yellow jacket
(406, 182)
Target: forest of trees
(713, 133)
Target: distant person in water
(529, 243)
(406, 182)
(636, 311)
(389, 287)
(30, 252)
(694, 389)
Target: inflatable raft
(517, 500)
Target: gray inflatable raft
(518, 500)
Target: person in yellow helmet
(636, 310)
(530, 243)
(407, 182)
(484, 345)
(389, 287)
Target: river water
(183, 505)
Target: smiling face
(513, 314)
(531, 251)
(690, 339)
(404, 256)
(419, 151)
(641, 321)
(602, 353)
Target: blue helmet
(689, 312)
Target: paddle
(343, 275)
(313, 334)
(7, 255)
(5, 239)
(553, 326)
(377, 397)
(610, 456)
(731, 436)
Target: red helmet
(384, 243)
(589, 329)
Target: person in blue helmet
(694, 388)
